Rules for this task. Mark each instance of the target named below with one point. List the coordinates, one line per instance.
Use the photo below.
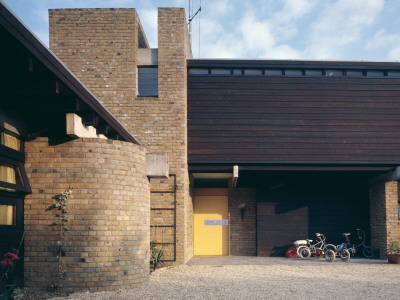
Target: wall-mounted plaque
(215, 222)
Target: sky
(366, 30)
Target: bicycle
(305, 249)
(341, 251)
(367, 251)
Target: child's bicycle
(305, 249)
(341, 251)
(366, 250)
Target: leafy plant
(61, 206)
(155, 254)
(18, 294)
(8, 264)
(393, 247)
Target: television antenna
(191, 17)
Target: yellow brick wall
(108, 237)
(90, 49)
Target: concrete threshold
(255, 260)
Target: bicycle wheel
(330, 255)
(368, 251)
(345, 255)
(291, 252)
(330, 247)
(304, 252)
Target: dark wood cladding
(293, 120)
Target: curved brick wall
(108, 240)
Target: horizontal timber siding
(283, 119)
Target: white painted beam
(76, 129)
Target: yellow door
(211, 222)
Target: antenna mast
(191, 17)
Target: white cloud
(385, 43)
(383, 39)
(340, 24)
(394, 54)
(217, 8)
(255, 34)
(294, 9)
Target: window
(351, 73)
(7, 214)
(198, 71)
(313, 72)
(273, 72)
(220, 72)
(12, 173)
(293, 72)
(148, 81)
(395, 74)
(237, 72)
(252, 72)
(13, 181)
(375, 74)
(333, 73)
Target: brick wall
(100, 47)
(242, 233)
(385, 224)
(108, 237)
(90, 47)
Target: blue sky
(264, 29)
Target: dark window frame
(139, 79)
(10, 198)
(16, 159)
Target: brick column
(173, 50)
(385, 224)
(100, 46)
(108, 237)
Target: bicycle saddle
(346, 234)
(301, 242)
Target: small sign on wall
(215, 222)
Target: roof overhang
(53, 86)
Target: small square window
(237, 72)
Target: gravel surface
(335, 281)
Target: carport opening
(296, 205)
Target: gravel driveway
(269, 281)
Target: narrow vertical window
(148, 81)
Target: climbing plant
(61, 206)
